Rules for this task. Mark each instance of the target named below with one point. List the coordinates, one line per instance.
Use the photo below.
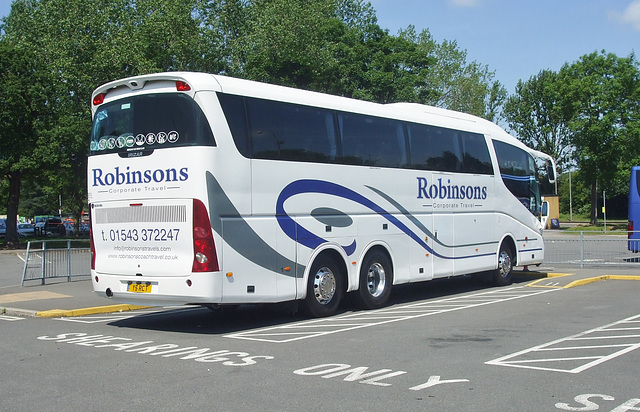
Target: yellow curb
(543, 275)
(61, 313)
(599, 278)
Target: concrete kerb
(23, 313)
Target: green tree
(605, 93)
(337, 47)
(23, 114)
(333, 46)
(83, 43)
(453, 83)
(386, 69)
(224, 23)
(539, 114)
(286, 42)
(309, 44)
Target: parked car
(39, 226)
(52, 226)
(83, 228)
(3, 228)
(69, 226)
(26, 229)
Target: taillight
(182, 86)
(629, 229)
(99, 99)
(93, 246)
(205, 258)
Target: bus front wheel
(503, 274)
(324, 287)
(376, 279)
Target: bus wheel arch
(375, 278)
(326, 284)
(502, 275)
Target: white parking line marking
(358, 320)
(10, 318)
(96, 319)
(536, 357)
(113, 317)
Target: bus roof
(412, 112)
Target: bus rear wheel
(324, 287)
(503, 274)
(376, 279)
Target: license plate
(139, 288)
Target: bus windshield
(519, 174)
(146, 122)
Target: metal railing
(590, 248)
(56, 259)
(70, 258)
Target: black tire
(325, 287)
(502, 276)
(376, 279)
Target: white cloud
(464, 3)
(630, 16)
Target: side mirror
(545, 209)
(551, 171)
(544, 214)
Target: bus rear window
(148, 122)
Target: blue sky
(515, 38)
(519, 38)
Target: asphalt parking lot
(554, 340)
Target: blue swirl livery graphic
(303, 236)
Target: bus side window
(476, 157)
(312, 131)
(234, 111)
(287, 131)
(371, 141)
(434, 148)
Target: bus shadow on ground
(204, 321)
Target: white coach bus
(210, 190)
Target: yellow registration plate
(139, 288)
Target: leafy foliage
(585, 115)
(604, 91)
(537, 113)
(24, 112)
(55, 52)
